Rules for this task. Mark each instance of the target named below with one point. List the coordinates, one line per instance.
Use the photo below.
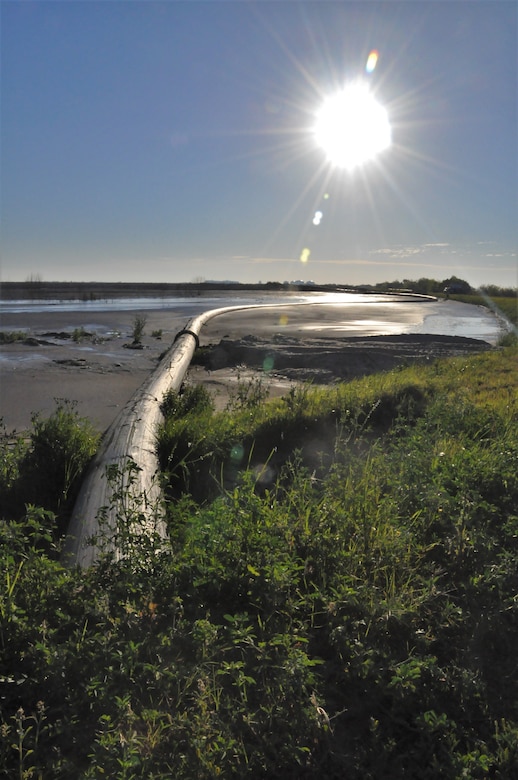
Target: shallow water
(119, 304)
(444, 318)
(352, 314)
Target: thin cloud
(272, 260)
(408, 251)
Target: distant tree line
(34, 287)
(453, 284)
(504, 292)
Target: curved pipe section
(132, 437)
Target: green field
(336, 597)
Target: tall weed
(46, 469)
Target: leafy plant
(46, 470)
(79, 335)
(139, 325)
(191, 398)
(12, 451)
(248, 394)
(60, 448)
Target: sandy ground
(100, 373)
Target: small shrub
(248, 395)
(12, 336)
(79, 335)
(139, 324)
(12, 452)
(59, 450)
(192, 398)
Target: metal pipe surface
(131, 438)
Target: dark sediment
(327, 360)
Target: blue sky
(173, 141)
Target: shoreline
(100, 374)
(98, 291)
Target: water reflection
(351, 314)
(119, 304)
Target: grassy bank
(505, 307)
(337, 596)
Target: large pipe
(131, 438)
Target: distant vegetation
(452, 285)
(336, 598)
(90, 291)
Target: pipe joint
(186, 331)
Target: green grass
(506, 307)
(337, 596)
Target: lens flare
(263, 474)
(268, 363)
(317, 219)
(237, 453)
(304, 255)
(372, 61)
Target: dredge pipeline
(131, 438)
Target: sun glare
(352, 127)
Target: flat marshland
(336, 596)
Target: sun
(352, 127)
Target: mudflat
(97, 367)
(92, 365)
